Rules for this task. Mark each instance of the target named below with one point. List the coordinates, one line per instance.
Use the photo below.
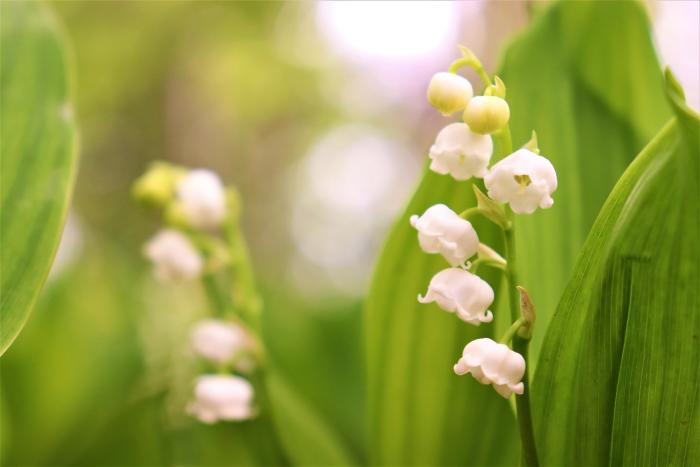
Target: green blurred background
(316, 112)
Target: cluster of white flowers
(524, 180)
(222, 397)
(199, 199)
(195, 205)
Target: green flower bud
(449, 92)
(486, 114)
(175, 215)
(157, 185)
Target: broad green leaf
(306, 437)
(618, 381)
(585, 77)
(38, 148)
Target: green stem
(504, 147)
(468, 213)
(504, 143)
(243, 289)
(214, 295)
(476, 66)
(511, 331)
(486, 262)
(520, 345)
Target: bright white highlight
(388, 30)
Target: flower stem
(243, 289)
(468, 213)
(476, 66)
(520, 345)
(216, 299)
(511, 331)
(486, 262)
(504, 146)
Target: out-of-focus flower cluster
(198, 241)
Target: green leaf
(38, 148)
(618, 378)
(592, 112)
(306, 437)
(586, 78)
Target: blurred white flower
(222, 397)
(460, 152)
(202, 197)
(173, 256)
(219, 341)
(441, 230)
(486, 114)
(492, 363)
(449, 92)
(459, 291)
(523, 179)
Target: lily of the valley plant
(523, 181)
(202, 241)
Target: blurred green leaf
(586, 78)
(618, 381)
(307, 438)
(38, 149)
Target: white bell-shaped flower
(219, 341)
(460, 152)
(449, 92)
(492, 363)
(441, 230)
(461, 292)
(202, 197)
(173, 256)
(222, 397)
(523, 179)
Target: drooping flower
(222, 397)
(460, 152)
(486, 114)
(461, 292)
(202, 198)
(449, 92)
(219, 341)
(523, 179)
(173, 256)
(441, 230)
(492, 363)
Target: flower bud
(449, 92)
(441, 230)
(219, 341)
(523, 179)
(459, 291)
(173, 256)
(460, 152)
(157, 185)
(487, 114)
(202, 197)
(492, 363)
(221, 397)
